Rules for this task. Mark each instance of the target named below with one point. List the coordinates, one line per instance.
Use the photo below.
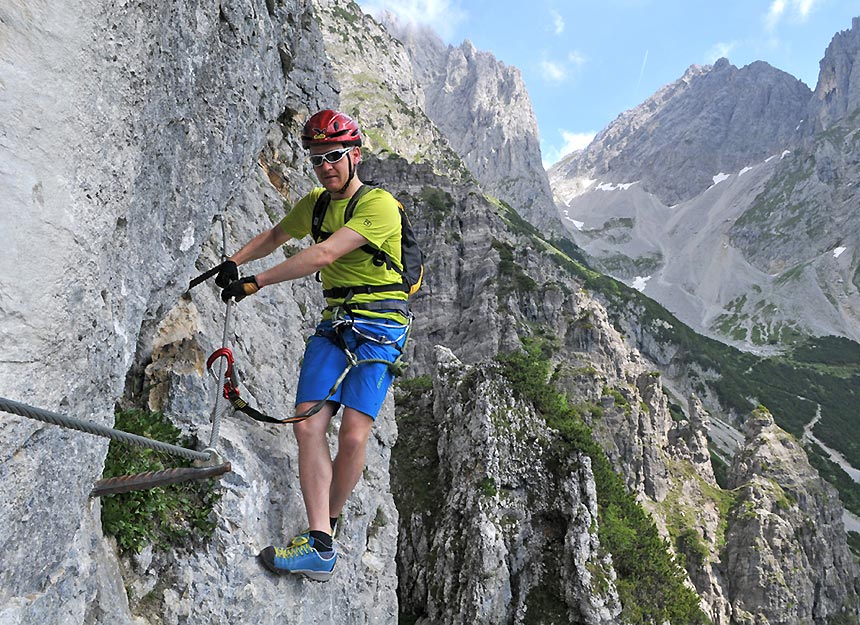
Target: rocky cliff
(713, 119)
(131, 127)
(837, 93)
(726, 195)
(483, 108)
(487, 497)
(784, 509)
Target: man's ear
(356, 154)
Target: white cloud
(805, 7)
(798, 10)
(559, 71)
(571, 142)
(557, 22)
(774, 14)
(443, 16)
(577, 58)
(719, 50)
(553, 71)
(575, 141)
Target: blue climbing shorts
(365, 386)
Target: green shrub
(516, 280)
(650, 583)
(165, 517)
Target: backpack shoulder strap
(322, 205)
(353, 202)
(319, 214)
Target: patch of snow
(743, 171)
(784, 154)
(578, 224)
(838, 252)
(769, 158)
(639, 282)
(720, 177)
(608, 186)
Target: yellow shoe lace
(303, 537)
(300, 546)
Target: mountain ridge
(781, 276)
(500, 300)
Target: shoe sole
(317, 576)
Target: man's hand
(228, 272)
(240, 289)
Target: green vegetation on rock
(650, 582)
(165, 517)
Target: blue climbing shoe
(300, 558)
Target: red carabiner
(223, 352)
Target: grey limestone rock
(786, 556)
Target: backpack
(410, 253)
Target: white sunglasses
(333, 156)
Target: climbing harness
(229, 381)
(344, 319)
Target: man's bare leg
(349, 462)
(315, 466)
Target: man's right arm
(261, 245)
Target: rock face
(837, 93)
(175, 113)
(486, 507)
(799, 571)
(133, 127)
(484, 110)
(123, 144)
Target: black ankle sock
(322, 541)
(333, 523)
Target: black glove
(240, 289)
(228, 272)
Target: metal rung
(151, 479)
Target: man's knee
(354, 430)
(313, 427)
(352, 441)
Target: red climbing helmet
(329, 126)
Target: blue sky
(585, 62)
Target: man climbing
(358, 257)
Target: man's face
(333, 175)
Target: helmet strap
(350, 177)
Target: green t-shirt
(377, 218)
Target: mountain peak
(713, 119)
(837, 93)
